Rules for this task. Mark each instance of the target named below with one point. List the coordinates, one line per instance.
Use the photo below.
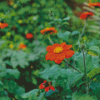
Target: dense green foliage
(23, 70)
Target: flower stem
(72, 66)
(49, 38)
(82, 33)
(86, 83)
(99, 22)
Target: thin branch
(72, 66)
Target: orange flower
(22, 46)
(3, 25)
(49, 30)
(59, 52)
(97, 4)
(46, 85)
(86, 15)
(29, 36)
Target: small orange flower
(86, 15)
(3, 25)
(59, 52)
(29, 36)
(46, 85)
(50, 30)
(97, 4)
(22, 46)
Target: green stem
(84, 63)
(99, 23)
(67, 64)
(82, 33)
(86, 83)
(72, 66)
(49, 38)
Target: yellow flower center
(58, 50)
(11, 46)
(20, 21)
(8, 33)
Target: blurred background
(20, 66)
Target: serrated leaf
(75, 33)
(41, 96)
(51, 92)
(94, 72)
(74, 77)
(13, 72)
(94, 50)
(64, 35)
(31, 93)
(79, 96)
(1, 83)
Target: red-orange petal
(49, 48)
(58, 61)
(56, 45)
(47, 89)
(69, 53)
(63, 44)
(48, 55)
(41, 86)
(44, 81)
(60, 56)
(52, 88)
(66, 47)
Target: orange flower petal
(85, 15)
(41, 86)
(49, 49)
(52, 88)
(44, 81)
(50, 56)
(97, 4)
(69, 53)
(47, 89)
(55, 45)
(3, 25)
(58, 61)
(29, 35)
(67, 47)
(60, 56)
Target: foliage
(22, 70)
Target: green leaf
(14, 72)
(52, 73)
(1, 83)
(18, 92)
(2, 74)
(31, 93)
(51, 92)
(94, 72)
(75, 33)
(95, 88)
(79, 96)
(94, 50)
(5, 98)
(64, 35)
(92, 53)
(67, 18)
(76, 47)
(79, 62)
(74, 77)
(41, 96)
(19, 58)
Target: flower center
(58, 50)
